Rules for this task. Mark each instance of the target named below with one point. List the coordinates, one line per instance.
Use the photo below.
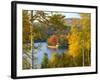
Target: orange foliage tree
(53, 40)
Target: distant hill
(72, 21)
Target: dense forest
(51, 27)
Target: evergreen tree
(45, 61)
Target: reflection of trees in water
(35, 56)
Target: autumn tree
(85, 36)
(73, 41)
(26, 39)
(53, 62)
(52, 40)
(65, 60)
(26, 26)
(74, 49)
(79, 41)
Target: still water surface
(41, 48)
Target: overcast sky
(71, 15)
(66, 14)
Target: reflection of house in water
(72, 21)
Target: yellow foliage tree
(85, 36)
(53, 62)
(79, 39)
(85, 31)
(73, 39)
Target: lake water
(44, 49)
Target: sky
(71, 15)
(68, 14)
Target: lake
(41, 47)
